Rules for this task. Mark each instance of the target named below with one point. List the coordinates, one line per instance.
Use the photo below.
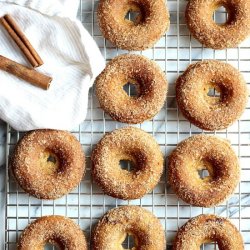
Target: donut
(150, 24)
(199, 18)
(147, 77)
(207, 112)
(48, 163)
(205, 229)
(195, 154)
(116, 224)
(137, 147)
(57, 230)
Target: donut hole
(221, 15)
(205, 170)
(54, 243)
(129, 242)
(203, 173)
(134, 14)
(132, 89)
(213, 94)
(127, 165)
(50, 246)
(49, 162)
(210, 244)
(51, 158)
(131, 161)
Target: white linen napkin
(70, 56)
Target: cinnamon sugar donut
(205, 229)
(117, 223)
(129, 144)
(150, 24)
(149, 80)
(207, 112)
(199, 16)
(197, 153)
(57, 230)
(48, 163)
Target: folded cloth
(2, 146)
(70, 56)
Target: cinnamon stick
(25, 73)
(21, 40)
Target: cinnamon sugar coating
(207, 112)
(57, 230)
(203, 152)
(199, 17)
(114, 226)
(151, 23)
(149, 80)
(136, 146)
(48, 163)
(205, 229)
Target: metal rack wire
(86, 204)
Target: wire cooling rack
(86, 204)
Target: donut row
(48, 164)
(152, 21)
(192, 91)
(146, 230)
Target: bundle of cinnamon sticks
(28, 74)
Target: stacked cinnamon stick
(28, 74)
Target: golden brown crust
(199, 15)
(149, 80)
(40, 177)
(57, 230)
(208, 228)
(114, 226)
(130, 144)
(211, 113)
(203, 152)
(151, 23)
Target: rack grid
(87, 203)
